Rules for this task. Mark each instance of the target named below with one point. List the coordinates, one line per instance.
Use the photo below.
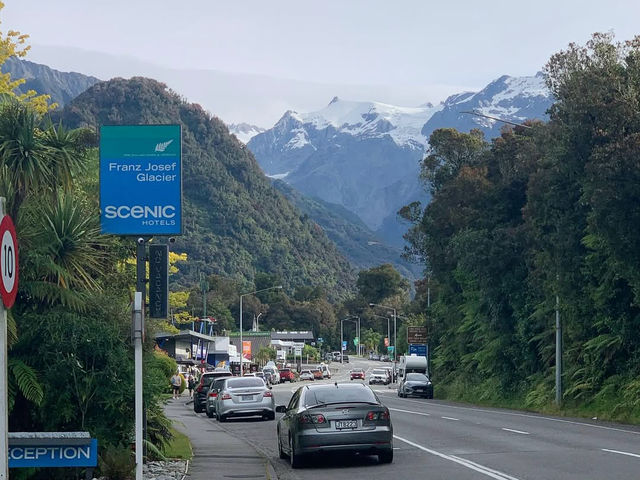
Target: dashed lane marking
(621, 453)
(516, 431)
(451, 418)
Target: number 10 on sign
(8, 262)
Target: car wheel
(196, 408)
(386, 456)
(209, 413)
(294, 459)
(281, 453)
(271, 416)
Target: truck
(412, 364)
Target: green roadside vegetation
(543, 217)
(178, 447)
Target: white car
(324, 368)
(306, 375)
(378, 375)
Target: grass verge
(178, 447)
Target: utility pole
(558, 354)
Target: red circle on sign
(8, 262)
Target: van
(324, 368)
(412, 364)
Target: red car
(317, 374)
(357, 373)
(287, 375)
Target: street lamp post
(388, 325)
(395, 329)
(356, 320)
(244, 295)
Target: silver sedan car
(244, 397)
(334, 417)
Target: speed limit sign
(8, 262)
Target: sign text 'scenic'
(140, 211)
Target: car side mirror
(281, 409)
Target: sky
(406, 52)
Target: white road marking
(409, 411)
(451, 418)
(538, 417)
(621, 453)
(461, 461)
(516, 431)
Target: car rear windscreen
(339, 394)
(245, 382)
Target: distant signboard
(158, 281)
(420, 350)
(416, 335)
(246, 349)
(344, 345)
(141, 179)
(390, 349)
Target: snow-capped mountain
(365, 155)
(510, 98)
(244, 132)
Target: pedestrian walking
(192, 384)
(176, 382)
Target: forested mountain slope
(236, 223)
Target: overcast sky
(421, 45)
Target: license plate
(246, 398)
(347, 424)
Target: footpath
(217, 455)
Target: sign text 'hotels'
(141, 179)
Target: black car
(334, 417)
(415, 384)
(202, 389)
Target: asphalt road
(441, 440)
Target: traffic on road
(344, 427)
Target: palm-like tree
(62, 251)
(34, 159)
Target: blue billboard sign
(344, 345)
(61, 455)
(418, 349)
(141, 179)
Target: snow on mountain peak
(370, 119)
(244, 131)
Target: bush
(117, 463)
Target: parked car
(415, 384)
(317, 374)
(378, 375)
(212, 394)
(202, 389)
(385, 358)
(357, 373)
(286, 374)
(306, 375)
(345, 358)
(244, 397)
(314, 422)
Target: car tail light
(213, 394)
(226, 396)
(375, 416)
(315, 419)
(267, 394)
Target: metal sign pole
(138, 332)
(4, 390)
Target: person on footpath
(176, 382)
(192, 385)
